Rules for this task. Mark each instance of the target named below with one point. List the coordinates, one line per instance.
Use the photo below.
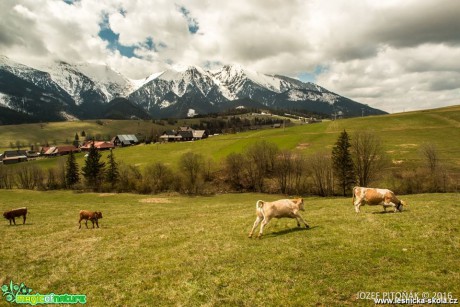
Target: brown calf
(277, 209)
(12, 214)
(90, 215)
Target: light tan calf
(277, 209)
(374, 197)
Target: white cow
(277, 209)
(373, 197)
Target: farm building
(100, 145)
(13, 156)
(183, 134)
(58, 150)
(125, 140)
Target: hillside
(402, 135)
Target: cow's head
(6, 214)
(400, 206)
(98, 214)
(299, 202)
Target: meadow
(172, 250)
(402, 136)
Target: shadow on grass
(17, 225)
(287, 231)
(385, 212)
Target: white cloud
(390, 54)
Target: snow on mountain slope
(112, 83)
(234, 81)
(73, 81)
(4, 100)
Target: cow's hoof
(306, 226)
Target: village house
(100, 145)
(13, 156)
(183, 134)
(54, 151)
(125, 140)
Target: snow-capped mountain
(60, 91)
(96, 81)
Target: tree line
(261, 167)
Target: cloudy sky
(391, 54)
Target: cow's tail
(260, 206)
(354, 196)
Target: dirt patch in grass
(303, 145)
(155, 201)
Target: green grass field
(402, 135)
(169, 250)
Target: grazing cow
(12, 214)
(90, 215)
(373, 197)
(281, 208)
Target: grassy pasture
(168, 250)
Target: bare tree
(260, 163)
(368, 156)
(158, 177)
(6, 177)
(320, 167)
(29, 176)
(436, 174)
(289, 170)
(192, 165)
(234, 170)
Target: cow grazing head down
(282, 208)
(374, 196)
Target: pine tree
(112, 174)
(76, 141)
(343, 163)
(93, 170)
(72, 175)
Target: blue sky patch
(311, 76)
(193, 25)
(112, 38)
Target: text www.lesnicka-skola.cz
(408, 297)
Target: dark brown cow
(90, 215)
(14, 213)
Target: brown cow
(373, 197)
(12, 214)
(90, 215)
(278, 209)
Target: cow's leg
(24, 219)
(92, 221)
(256, 223)
(86, 223)
(10, 221)
(390, 204)
(14, 221)
(264, 222)
(299, 217)
(97, 223)
(298, 222)
(79, 222)
(357, 205)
